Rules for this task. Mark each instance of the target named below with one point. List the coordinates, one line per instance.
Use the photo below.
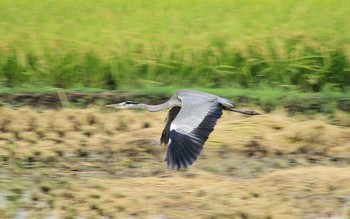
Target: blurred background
(63, 155)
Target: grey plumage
(191, 119)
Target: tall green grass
(112, 44)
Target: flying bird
(191, 119)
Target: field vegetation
(64, 156)
(105, 164)
(114, 44)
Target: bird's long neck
(155, 108)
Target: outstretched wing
(190, 129)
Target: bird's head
(123, 105)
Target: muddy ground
(56, 100)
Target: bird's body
(191, 119)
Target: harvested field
(98, 163)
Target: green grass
(113, 44)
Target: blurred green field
(83, 161)
(114, 44)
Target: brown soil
(57, 100)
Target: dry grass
(96, 163)
(284, 194)
(342, 118)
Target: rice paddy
(95, 163)
(114, 44)
(64, 156)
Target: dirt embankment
(309, 104)
(58, 99)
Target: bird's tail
(246, 112)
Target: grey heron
(191, 119)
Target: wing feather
(190, 129)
